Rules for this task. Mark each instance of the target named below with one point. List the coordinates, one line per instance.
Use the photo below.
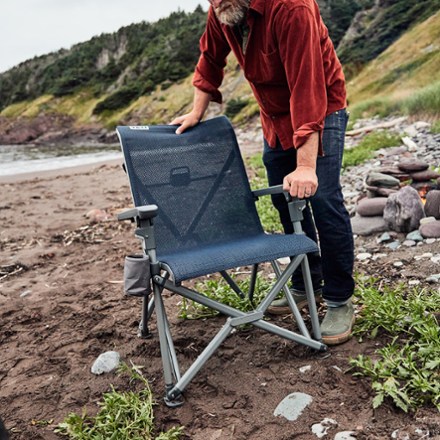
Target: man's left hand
(301, 183)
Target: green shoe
(281, 306)
(337, 324)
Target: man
(290, 62)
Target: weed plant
(406, 369)
(218, 289)
(124, 415)
(367, 146)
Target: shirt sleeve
(298, 35)
(214, 49)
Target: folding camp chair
(195, 214)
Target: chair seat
(243, 252)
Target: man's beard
(232, 12)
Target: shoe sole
(285, 310)
(341, 338)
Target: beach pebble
(292, 406)
(106, 362)
(415, 236)
(320, 429)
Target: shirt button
(273, 117)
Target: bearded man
(289, 60)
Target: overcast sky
(37, 27)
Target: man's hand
(185, 121)
(201, 102)
(302, 182)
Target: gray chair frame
(175, 381)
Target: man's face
(230, 12)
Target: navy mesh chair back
(200, 186)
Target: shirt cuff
(302, 134)
(205, 86)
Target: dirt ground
(61, 305)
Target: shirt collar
(257, 5)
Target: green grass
(219, 290)
(367, 146)
(424, 101)
(406, 370)
(435, 127)
(267, 212)
(124, 415)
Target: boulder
(423, 176)
(368, 225)
(404, 210)
(412, 165)
(430, 230)
(432, 205)
(382, 180)
(371, 207)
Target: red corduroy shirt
(289, 61)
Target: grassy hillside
(144, 85)
(401, 72)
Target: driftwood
(369, 128)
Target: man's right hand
(201, 102)
(185, 121)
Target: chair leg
(147, 311)
(305, 268)
(167, 351)
(296, 313)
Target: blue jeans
(330, 220)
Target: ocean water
(18, 159)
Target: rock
(345, 435)
(409, 243)
(305, 368)
(292, 406)
(427, 220)
(106, 362)
(375, 191)
(382, 180)
(321, 429)
(436, 259)
(412, 146)
(404, 210)
(384, 237)
(434, 278)
(430, 230)
(363, 256)
(432, 205)
(422, 176)
(368, 225)
(393, 245)
(415, 236)
(412, 165)
(371, 207)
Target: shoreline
(47, 174)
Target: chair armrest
(141, 213)
(278, 189)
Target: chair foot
(144, 333)
(174, 399)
